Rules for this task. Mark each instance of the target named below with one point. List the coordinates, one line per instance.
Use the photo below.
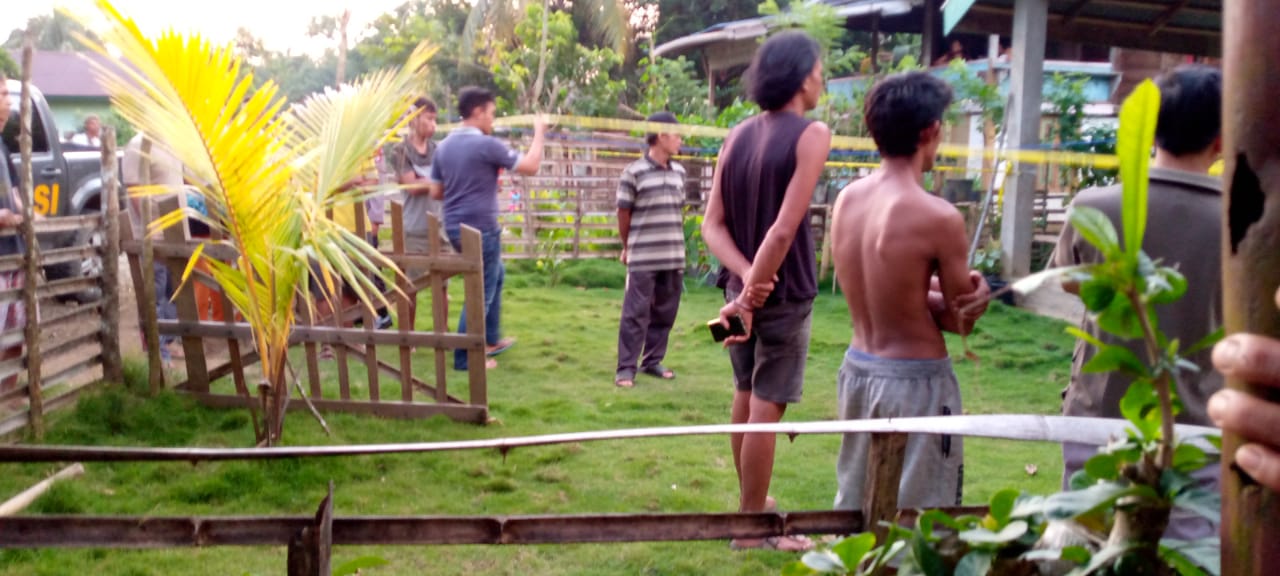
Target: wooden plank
(49, 290)
(309, 549)
(325, 335)
(884, 474)
(439, 311)
(182, 250)
(461, 413)
(49, 257)
(413, 382)
(112, 361)
(70, 372)
(142, 532)
(406, 309)
(72, 345)
(82, 313)
(185, 299)
(370, 322)
(473, 285)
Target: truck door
(46, 164)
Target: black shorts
(771, 364)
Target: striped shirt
(655, 197)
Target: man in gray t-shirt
(464, 173)
(411, 163)
(411, 160)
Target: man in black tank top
(756, 225)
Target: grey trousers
(649, 309)
(872, 387)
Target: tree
(268, 177)
(608, 22)
(296, 76)
(8, 66)
(54, 32)
(334, 27)
(393, 36)
(575, 78)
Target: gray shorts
(771, 364)
(872, 387)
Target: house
(69, 84)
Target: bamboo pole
(112, 363)
(1056, 429)
(1251, 255)
(21, 501)
(29, 296)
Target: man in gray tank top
(756, 225)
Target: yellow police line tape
(1103, 161)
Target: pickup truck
(67, 180)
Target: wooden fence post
(884, 475)
(148, 299)
(1251, 255)
(31, 281)
(185, 300)
(310, 549)
(112, 364)
(473, 282)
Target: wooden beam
(397, 410)
(141, 532)
(1163, 19)
(1074, 11)
(323, 335)
(35, 404)
(994, 20)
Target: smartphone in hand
(719, 333)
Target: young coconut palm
(269, 177)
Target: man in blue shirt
(464, 173)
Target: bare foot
(624, 383)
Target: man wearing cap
(651, 224)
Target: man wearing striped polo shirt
(651, 223)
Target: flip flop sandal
(501, 347)
(659, 371)
(630, 382)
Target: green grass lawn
(559, 378)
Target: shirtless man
(900, 259)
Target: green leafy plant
(1114, 518)
(551, 259)
(699, 262)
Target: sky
(281, 24)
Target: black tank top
(753, 181)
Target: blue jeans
(494, 274)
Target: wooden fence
(569, 209)
(64, 348)
(207, 334)
(309, 538)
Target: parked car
(67, 181)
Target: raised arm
(532, 160)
